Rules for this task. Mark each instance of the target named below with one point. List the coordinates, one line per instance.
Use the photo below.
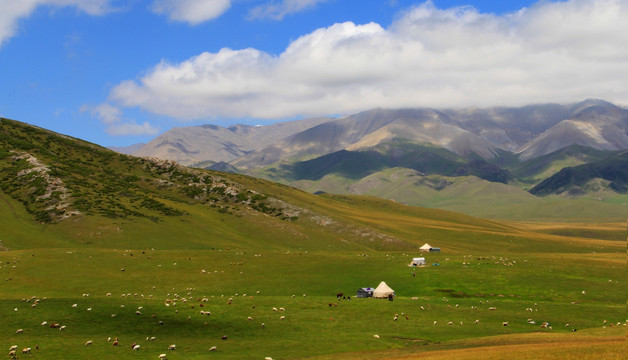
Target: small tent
(365, 292)
(419, 261)
(425, 247)
(383, 291)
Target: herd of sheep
(172, 299)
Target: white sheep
(163, 356)
(282, 317)
(376, 336)
(14, 347)
(213, 348)
(26, 350)
(172, 347)
(136, 347)
(88, 342)
(19, 331)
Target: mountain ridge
(529, 132)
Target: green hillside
(426, 158)
(535, 170)
(152, 253)
(612, 169)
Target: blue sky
(121, 72)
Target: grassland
(239, 256)
(543, 267)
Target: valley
(146, 249)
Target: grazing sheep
(26, 350)
(263, 325)
(450, 323)
(163, 356)
(12, 354)
(376, 336)
(62, 327)
(477, 321)
(88, 342)
(282, 317)
(275, 309)
(14, 347)
(19, 331)
(268, 358)
(44, 323)
(250, 318)
(435, 322)
(172, 347)
(282, 309)
(136, 347)
(213, 348)
(115, 343)
(74, 306)
(224, 337)
(505, 323)
(492, 308)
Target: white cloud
(11, 11)
(551, 52)
(131, 128)
(278, 10)
(107, 113)
(116, 124)
(191, 11)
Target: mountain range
(426, 150)
(529, 132)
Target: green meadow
(572, 277)
(103, 247)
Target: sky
(117, 72)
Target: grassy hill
(611, 169)
(109, 245)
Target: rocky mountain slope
(212, 143)
(529, 132)
(433, 152)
